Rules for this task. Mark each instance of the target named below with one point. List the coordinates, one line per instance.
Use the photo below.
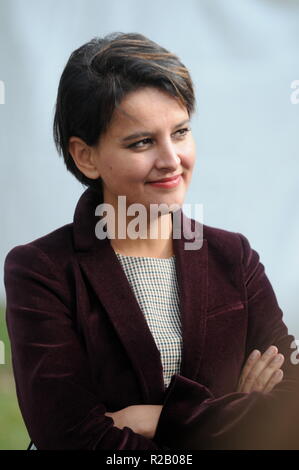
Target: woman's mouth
(169, 183)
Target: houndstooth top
(154, 283)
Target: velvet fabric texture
(81, 346)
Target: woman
(125, 342)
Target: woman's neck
(156, 241)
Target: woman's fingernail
(278, 358)
(271, 350)
(254, 355)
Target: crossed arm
(260, 373)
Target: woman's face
(149, 138)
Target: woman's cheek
(187, 152)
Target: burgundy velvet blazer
(81, 346)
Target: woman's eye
(140, 144)
(148, 141)
(182, 132)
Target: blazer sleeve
(193, 418)
(53, 379)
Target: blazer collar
(105, 274)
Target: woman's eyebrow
(139, 135)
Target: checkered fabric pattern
(154, 283)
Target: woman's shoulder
(220, 235)
(228, 244)
(56, 246)
(41, 268)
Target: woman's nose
(167, 156)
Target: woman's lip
(165, 180)
(167, 184)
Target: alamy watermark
(295, 94)
(2, 92)
(138, 227)
(295, 354)
(2, 353)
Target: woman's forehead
(147, 109)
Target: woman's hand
(261, 373)
(142, 419)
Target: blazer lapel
(192, 273)
(104, 272)
(109, 282)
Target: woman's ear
(83, 156)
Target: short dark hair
(96, 78)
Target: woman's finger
(274, 380)
(266, 373)
(257, 368)
(252, 359)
